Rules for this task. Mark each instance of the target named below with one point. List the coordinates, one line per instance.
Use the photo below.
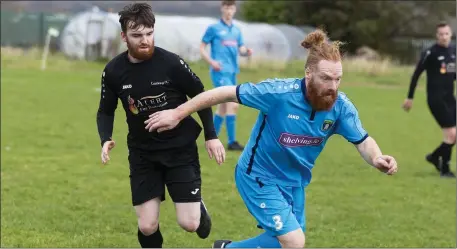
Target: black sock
(446, 155)
(439, 151)
(154, 240)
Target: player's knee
(189, 222)
(295, 239)
(148, 227)
(221, 109)
(451, 135)
(232, 108)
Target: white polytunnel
(190, 31)
(294, 37)
(267, 42)
(166, 34)
(91, 35)
(95, 34)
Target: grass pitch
(55, 193)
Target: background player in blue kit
(226, 42)
(297, 116)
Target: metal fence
(25, 29)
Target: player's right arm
(350, 127)
(105, 115)
(260, 96)
(208, 38)
(420, 67)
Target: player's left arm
(350, 127)
(190, 84)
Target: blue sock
(230, 121)
(263, 241)
(218, 123)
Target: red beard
(143, 54)
(320, 101)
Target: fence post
(41, 28)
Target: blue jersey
(288, 135)
(225, 41)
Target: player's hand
(162, 120)
(216, 65)
(249, 51)
(215, 149)
(407, 104)
(386, 164)
(107, 147)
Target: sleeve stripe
(361, 140)
(238, 94)
(425, 57)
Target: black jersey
(162, 82)
(439, 62)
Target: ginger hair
(320, 48)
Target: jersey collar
(225, 24)
(303, 90)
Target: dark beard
(323, 101)
(140, 55)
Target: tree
(357, 22)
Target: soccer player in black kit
(439, 62)
(147, 79)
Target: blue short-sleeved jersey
(288, 135)
(225, 41)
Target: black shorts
(178, 169)
(443, 110)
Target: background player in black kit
(439, 62)
(148, 79)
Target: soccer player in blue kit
(226, 42)
(297, 116)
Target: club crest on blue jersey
(327, 125)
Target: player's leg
(296, 238)
(293, 239)
(298, 203)
(448, 142)
(191, 211)
(443, 111)
(149, 235)
(148, 190)
(272, 209)
(184, 186)
(449, 135)
(230, 123)
(221, 108)
(219, 116)
(230, 118)
(436, 109)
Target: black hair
(441, 25)
(135, 15)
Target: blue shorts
(277, 209)
(223, 79)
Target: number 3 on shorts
(278, 222)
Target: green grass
(55, 193)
